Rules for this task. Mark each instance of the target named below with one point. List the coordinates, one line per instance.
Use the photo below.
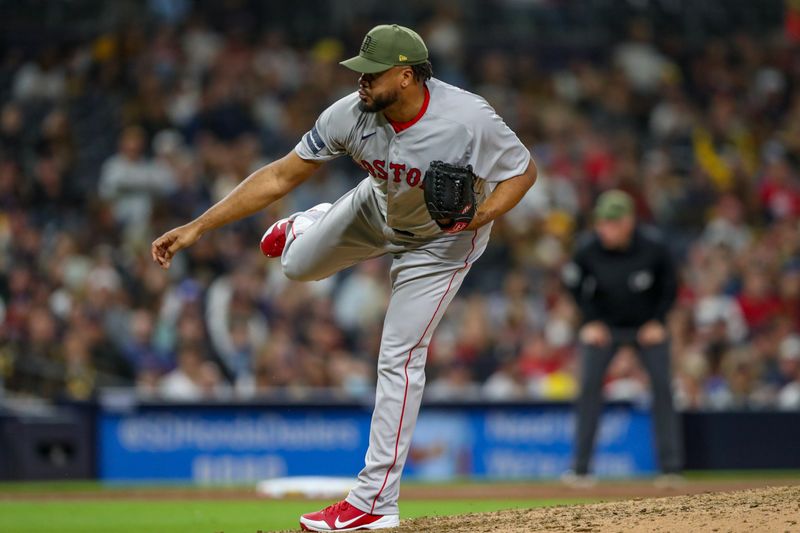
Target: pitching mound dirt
(773, 509)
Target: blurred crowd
(106, 143)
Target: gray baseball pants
(425, 276)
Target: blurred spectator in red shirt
(758, 301)
(779, 191)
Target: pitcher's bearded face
(376, 93)
(373, 104)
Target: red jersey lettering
(366, 166)
(413, 176)
(398, 168)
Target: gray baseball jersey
(386, 213)
(454, 126)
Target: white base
(307, 486)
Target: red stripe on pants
(405, 371)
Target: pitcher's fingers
(163, 260)
(154, 252)
(163, 242)
(159, 260)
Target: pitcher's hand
(165, 247)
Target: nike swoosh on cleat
(340, 525)
(367, 136)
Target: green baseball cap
(388, 46)
(613, 205)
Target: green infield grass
(94, 507)
(188, 516)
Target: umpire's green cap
(388, 46)
(613, 205)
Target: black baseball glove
(449, 195)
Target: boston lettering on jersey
(458, 127)
(396, 172)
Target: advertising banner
(241, 444)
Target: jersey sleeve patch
(313, 141)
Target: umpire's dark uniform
(622, 278)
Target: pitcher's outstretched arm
(257, 191)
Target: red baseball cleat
(344, 517)
(274, 239)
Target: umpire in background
(624, 283)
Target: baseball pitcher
(442, 165)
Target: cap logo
(366, 46)
(401, 57)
